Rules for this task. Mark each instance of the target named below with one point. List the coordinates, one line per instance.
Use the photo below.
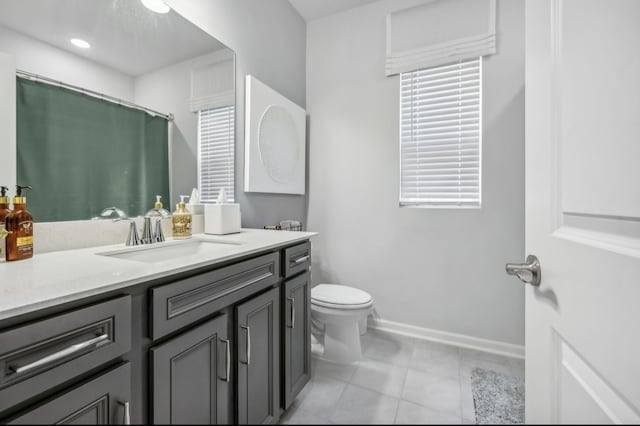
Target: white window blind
(216, 136)
(441, 135)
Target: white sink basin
(162, 252)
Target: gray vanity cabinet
(296, 312)
(223, 344)
(191, 376)
(101, 401)
(258, 359)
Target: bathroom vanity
(218, 334)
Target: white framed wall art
(275, 141)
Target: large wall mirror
(116, 123)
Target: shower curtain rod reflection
(37, 77)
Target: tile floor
(399, 380)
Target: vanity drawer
(46, 353)
(104, 400)
(297, 259)
(176, 305)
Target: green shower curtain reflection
(82, 154)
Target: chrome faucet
(132, 238)
(147, 232)
(148, 235)
(159, 235)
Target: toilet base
(342, 343)
(317, 328)
(362, 325)
(339, 330)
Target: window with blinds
(216, 146)
(441, 136)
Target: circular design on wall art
(278, 143)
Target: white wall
(269, 40)
(441, 269)
(40, 58)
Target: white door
(583, 210)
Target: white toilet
(342, 311)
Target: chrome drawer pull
(300, 259)
(248, 344)
(293, 312)
(127, 412)
(60, 355)
(228, 360)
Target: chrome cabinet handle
(228, 359)
(127, 412)
(529, 272)
(59, 355)
(300, 259)
(293, 312)
(248, 345)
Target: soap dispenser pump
(19, 224)
(4, 205)
(158, 210)
(181, 220)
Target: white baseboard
(460, 340)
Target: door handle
(248, 344)
(126, 420)
(293, 312)
(227, 360)
(528, 272)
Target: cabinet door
(297, 336)
(191, 375)
(101, 401)
(258, 335)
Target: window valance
(212, 82)
(439, 32)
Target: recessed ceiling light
(80, 43)
(158, 6)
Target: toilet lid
(339, 295)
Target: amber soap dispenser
(19, 224)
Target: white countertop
(54, 278)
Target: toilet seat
(340, 297)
